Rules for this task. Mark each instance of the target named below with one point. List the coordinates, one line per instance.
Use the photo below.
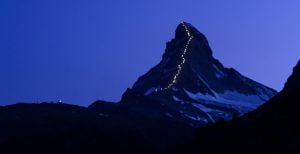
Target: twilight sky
(79, 51)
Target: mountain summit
(191, 84)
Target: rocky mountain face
(272, 128)
(191, 85)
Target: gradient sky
(79, 51)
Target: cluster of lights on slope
(182, 62)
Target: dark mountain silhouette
(190, 85)
(57, 128)
(272, 128)
(189, 88)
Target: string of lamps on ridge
(180, 66)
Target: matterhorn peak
(183, 30)
(189, 80)
(186, 30)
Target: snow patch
(174, 89)
(176, 99)
(195, 118)
(219, 73)
(207, 85)
(149, 91)
(199, 96)
(242, 98)
(265, 93)
(202, 107)
(206, 110)
(229, 97)
(169, 115)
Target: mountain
(58, 128)
(189, 84)
(272, 128)
(189, 88)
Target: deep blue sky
(83, 50)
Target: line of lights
(180, 66)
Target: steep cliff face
(272, 128)
(293, 82)
(194, 85)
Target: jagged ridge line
(182, 62)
